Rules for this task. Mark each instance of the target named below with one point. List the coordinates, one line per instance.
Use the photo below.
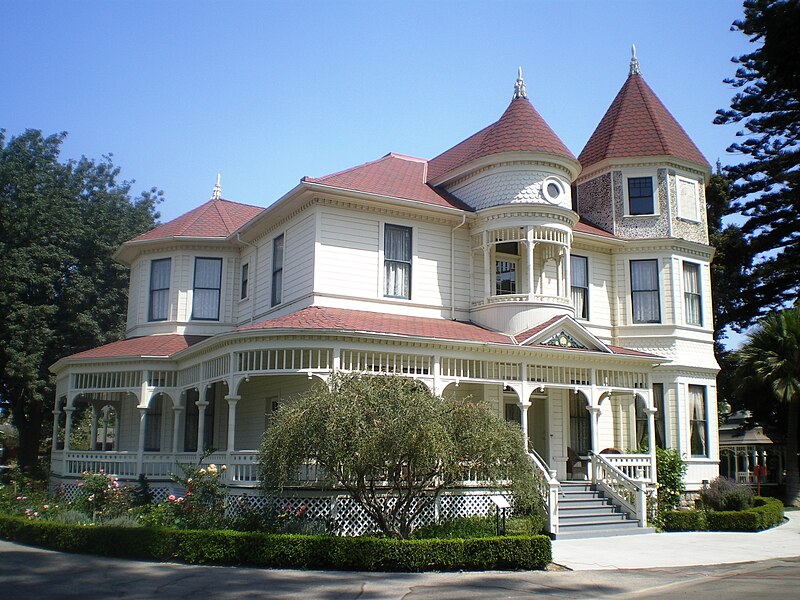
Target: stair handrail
(551, 488)
(629, 493)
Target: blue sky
(267, 92)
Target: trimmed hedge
(284, 551)
(765, 513)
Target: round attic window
(552, 190)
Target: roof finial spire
(634, 70)
(216, 194)
(519, 86)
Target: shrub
(284, 551)
(725, 494)
(101, 497)
(481, 527)
(684, 520)
(670, 470)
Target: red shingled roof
(520, 128)
(362, 321)
(638, 124)
(585, 226)
(392, 175)
(215, 218)
(151, 345)
(529, 333)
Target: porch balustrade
(633, 466)
(630, 494)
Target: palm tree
(771, 355)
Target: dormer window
(159, 289)
(207, 286)
(506, 264)
(640, 196)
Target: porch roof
(159, 346)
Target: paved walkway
(679, 549)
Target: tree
(770, 362)
(60, 291)
(393, 446)
(766, 189)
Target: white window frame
(687, 294)
(587, 287)
(682, 214)
(244, 282)
(151, 290)
(386, 261)
(219, 289)
(704, 421)
(653, 175)
(276, 291)
(657, 290)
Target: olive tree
(393, 446)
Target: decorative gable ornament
(564, 340)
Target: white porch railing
(550, 491)
(634, 466)
(629, 494)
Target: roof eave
(598, 168)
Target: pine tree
(766, 188)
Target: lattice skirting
(348, 517)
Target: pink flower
(27, 511)
(101, 471)
(46, 506)
(171, 498)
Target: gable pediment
(563, 332)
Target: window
(579, 268)
(207, 283)
(699, 423)
(397, 261)
(644, 291)
(277, 270)
(687, 199)
(580, 425)
(159, 289)
(152, 425)
(692, 301)
(505, 268)
(661, 415)
(640, 196)
(245, 280)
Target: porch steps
(584, 512)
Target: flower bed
(283, 551)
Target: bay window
(397, 261)
(207, 285)
(692, 300)
(645, 292)
(159, 289)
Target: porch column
(529, 246)
(105, 428)
(140, 448)
(567, 273)
(201, 424)
(232, 400)
(594, 415)
(176, 427)
(56, 419)
(68, 427)
(93, 431)
(523, 422)
(488, 275)
(651, 441)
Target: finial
(519, 86)
(216, 194)
(634, 70)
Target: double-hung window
(692, 300)
(159, 289)
(579, 268)
(245, 281)
(207, 285)
(640, 196)
(699, 422)
(277, 270)
(644, 291)
(506, 265)
(397, 261)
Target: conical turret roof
(520, 129)
(638, 124)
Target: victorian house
(572, 294)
